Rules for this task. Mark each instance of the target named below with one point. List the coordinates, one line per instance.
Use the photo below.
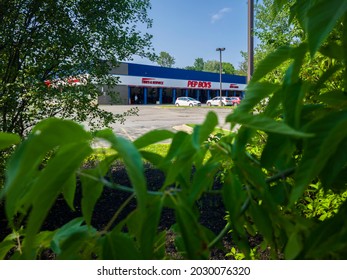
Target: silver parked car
(226, 101)
(187, 101)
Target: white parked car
(187, 101)
(226, 101)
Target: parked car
(187, 101)
(226, 101)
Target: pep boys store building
(146, 84)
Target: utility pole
(250, 40)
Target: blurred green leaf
(337, 98)
(330, 131)
(335, 168)
(69, 189)
(152, 157)
(24, 167)
(255, 93)
(178, 162)
(150, 224)
(271, 62)
(266, 124)
(92, 187)
(120, 246)
(64, 232)
(262, 219)
(133, 162)
(205, 129)
(281, 146)
(5, 247)
(54, 176)
(294, 246)
(195, 240)
(321, 19)
(203, 180)
(8, 139)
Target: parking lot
(152, 117)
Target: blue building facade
(147, 84)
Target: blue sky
(189, 29)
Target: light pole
(220, 74)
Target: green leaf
(133, 162)
(344, 48)
(194, 238)
(53, 177)
(5, 247)
(178, 162)
(321, 20)
(120, 246)
(235, 198)
(63, 233)
(255, 93)
(78, 245)
(180, 139)
(337, 99)
(329, 131)
(292, 104)
(69, 189)
(328, 237)
(205, 130)
(271, 62)
(300, 10)
(281, 146)
(43, 241)
(153, 158)
(152, 137)
(262, 219)
(24, 167)
(335, 168)
(8, 139)
(92, 187)
(266, 124)
(150, 224)
(293, 246)
(333, 50)
(202, 181)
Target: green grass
(159, 148)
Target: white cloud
(220, 14)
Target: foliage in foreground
(300, 139)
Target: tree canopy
(165, 59)
(211, 66)
(44, 40)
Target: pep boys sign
(198, 84)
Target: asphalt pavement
(152, 117)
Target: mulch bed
(211, 209)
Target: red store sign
(233, 86)
(151, 81)
(198, 84)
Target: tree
(199, 64)
(280, 27)
(44, 40)
(165, 59)
(243, 66)
(275, 28)
(228, 68)
(214, 66)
